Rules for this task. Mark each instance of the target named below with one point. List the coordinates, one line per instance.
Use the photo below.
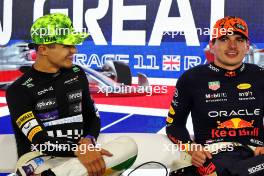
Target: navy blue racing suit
(226, 106)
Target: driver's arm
(179, 111)
(25, 120)
(91, 118)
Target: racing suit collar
(44, 74)
(227, 73)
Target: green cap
(55, 28)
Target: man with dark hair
(225, 99)
(50, 104)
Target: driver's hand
(199, 157)
(259, 151)
(92, 158)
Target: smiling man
(225, 99)
(50, 105)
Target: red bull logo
(235, 127)
(230, 74)
(235, 123)
(234, 132)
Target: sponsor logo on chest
(45, 90)
(46, 104)
(214, 85)
(74, 96)
(244, 96)
(71, 80)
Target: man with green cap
(50, 105)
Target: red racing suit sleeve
(179, 110)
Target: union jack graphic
(171, 63)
